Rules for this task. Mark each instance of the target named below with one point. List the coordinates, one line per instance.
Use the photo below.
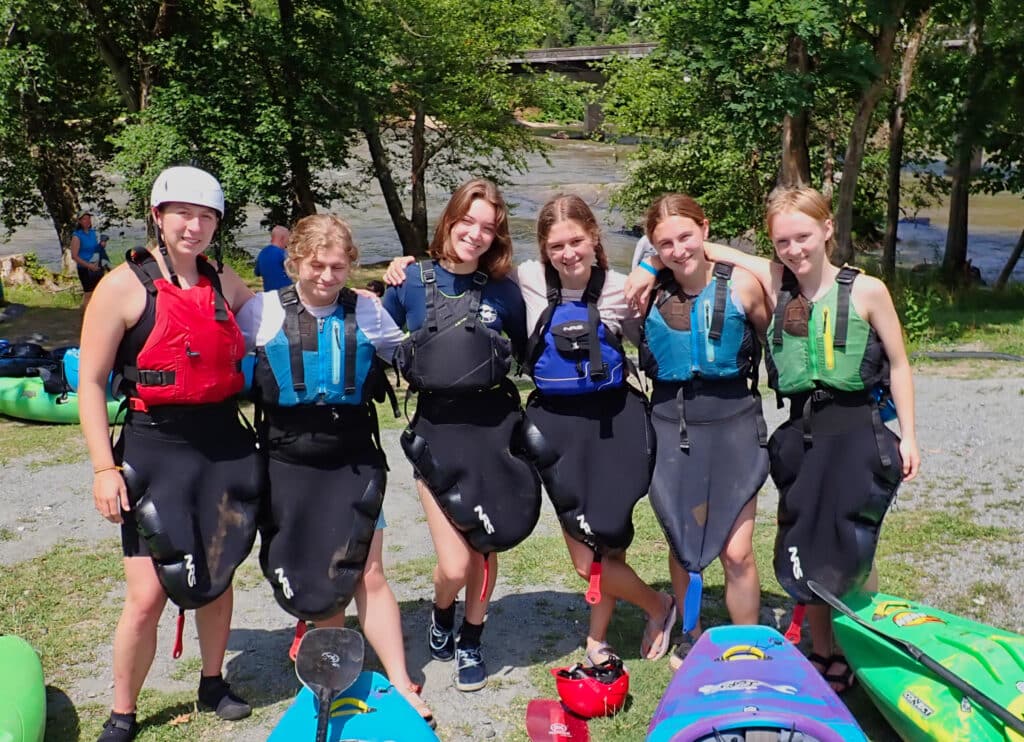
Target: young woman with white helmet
(182, 480)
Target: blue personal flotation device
(706, 336)
(310, 361)
(571, 351)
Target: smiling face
(679, 241)
(471, 235)
(322, 274)
(570, 248)
(800, 241)
(187, 228)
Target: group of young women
(191, 485)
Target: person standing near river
(270, 261)
(479, 494)
(86, 251)
(183, 479)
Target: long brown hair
(807, 201)
(496, 262)
(672, 204)
(564, 208)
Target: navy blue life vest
(706, 336)
(310, 361)
(453, 352)
(571, 351)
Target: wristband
(647, 267)
(112, 467)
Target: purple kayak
(747, 683)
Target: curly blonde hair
(317, 232)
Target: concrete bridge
(576, 62)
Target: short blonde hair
(565, 208)
(317, 232)
(496, 262)
(804, 199)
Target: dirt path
(971, 440)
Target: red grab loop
(178, 643)
(795, 629)
(594, 589)
(487, 578)
(300, 631)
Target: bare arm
(236, 293)
(117, 303)
(767, 273)
(751, 296)
(881, 315)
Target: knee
(582, 566)
(738, 562)
(373, 577)
(453, 570)
(143, 607)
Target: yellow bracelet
(112, 467)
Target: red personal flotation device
(193, 351)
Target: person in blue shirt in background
(84, 247)
(270, 261)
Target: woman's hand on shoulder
(395, 273)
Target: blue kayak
(742, 683)
(370, 710)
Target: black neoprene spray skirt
(194, 484)
(595, 453)
(833, 494)
(698, 493)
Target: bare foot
(658, 630)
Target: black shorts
(89, 278)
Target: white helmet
(188, 185)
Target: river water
(591, 170)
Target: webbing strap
(684, 439)
(553, 285)
(289, 298)
(787, 292)
(755, 379)
(220, 306)
(475, 293)
(879, 429)
(348, 300)
(723, 273)
(430, 282)
(845, 281)
(598, 369)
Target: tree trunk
(419, 176)
(795, 169)
(954, 260)
(828, 174)
(53, 179)
(411, 244)
(1011, 263)
(897, 133)
(300, 177)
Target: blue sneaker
(470, 670)
(442, 642)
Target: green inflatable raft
(22, 692)
(26, 399)
(914, 700)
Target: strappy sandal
(600, 654)
(817, 659)
(416, 701)
(840, 681)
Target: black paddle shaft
(328, 661)
(938, 669)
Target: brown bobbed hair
(566, 208)
(496, 261)
(672, 204)
(314, 233)
(807, 201)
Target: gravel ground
(968, 417)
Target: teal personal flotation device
(571, 351)
(705, 336)
(315, 362)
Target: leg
(454, 556)
(135, 636)
(680, 584)
(382, 624)
(601, 614)
(213, 623)
(742, 587)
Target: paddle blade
(548, 721)
(329, 660)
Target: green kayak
(26, 399)
(918, 704)
(22, 692)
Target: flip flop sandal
(420, 705)
(846, 679)
(661, 646)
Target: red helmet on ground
(593, 691)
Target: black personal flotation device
(453, 352)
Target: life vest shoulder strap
(787, 292)
(723, 274)
(348, 300)
(289, 299)
(845, 279)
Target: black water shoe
(215, 695)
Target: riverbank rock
(25, 268)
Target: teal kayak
(22, 692)
(26, 399)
